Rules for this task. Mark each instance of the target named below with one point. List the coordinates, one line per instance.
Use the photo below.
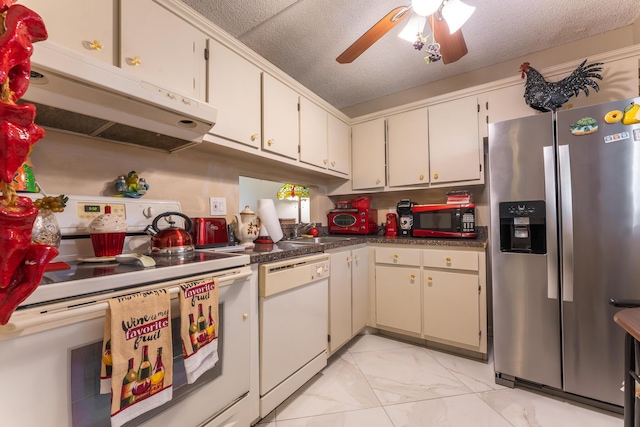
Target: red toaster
(209, 232)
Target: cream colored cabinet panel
(160, 47)
(235, 90)
(87, 27)
(340, 299)
(508, 103)
(454, 142)
(408, 140)
(451, 307)
(398, 256)
(359, 289)
(279, 118)
(338, 145)
(313, 134)
(451, 259)
(398, 302)
(368, 167)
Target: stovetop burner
(84, 270)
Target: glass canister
(46, 230)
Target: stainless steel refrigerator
(565, 239)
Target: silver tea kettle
(172, 240)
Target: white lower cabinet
(398, 298)
(451, 307)
(435, 294)
(348, 295)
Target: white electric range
(57, 332)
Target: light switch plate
(218, 205)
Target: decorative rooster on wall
(549, 96)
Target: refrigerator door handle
(552, 244)
(566, 206)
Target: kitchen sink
(321, 239)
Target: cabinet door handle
(435, 176)
(448, 260)
(95, 45)
(377, 181)
(135, 61)
(413, 277)
(254, 136)
(355, 257)
(325, 161)
(421, 177)
(333, 163)
(270, 142)
(430, 278)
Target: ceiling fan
(442, 14)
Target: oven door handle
(33, 323)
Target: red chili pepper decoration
(25, 280)
(21, 262)
(16, 224)
(5, 4)
(18, 133)
(23, 27)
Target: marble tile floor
(377, 381)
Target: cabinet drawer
(455, 260)
(398, 256)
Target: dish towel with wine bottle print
(138, 336)
(199, 326)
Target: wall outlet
(218, 205)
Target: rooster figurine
(549, 96)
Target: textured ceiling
(304, 37)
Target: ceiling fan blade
(452, 46)
(374, 33)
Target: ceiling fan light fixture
(425, 7)
(414, 26)
(456, 14)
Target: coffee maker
(405, 217)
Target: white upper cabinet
(279, 118)
(165, 49)
(368, 155)
(408, 135)
(455, 146)
(313, 134)
(338, 145)
(234, 89)
(88, 27)
(507, 103)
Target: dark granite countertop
(263, 253)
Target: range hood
(77, 94)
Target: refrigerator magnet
(616, 137)
(584, 126)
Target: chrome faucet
(299, 228)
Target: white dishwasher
(294, 311)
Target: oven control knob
(319, 270)
(148, 212)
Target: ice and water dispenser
(523, 227)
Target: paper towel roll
(269, 217)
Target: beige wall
(68, 164)
(578, 50)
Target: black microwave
(450, 220)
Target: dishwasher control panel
(281, 276)
(320, 270)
